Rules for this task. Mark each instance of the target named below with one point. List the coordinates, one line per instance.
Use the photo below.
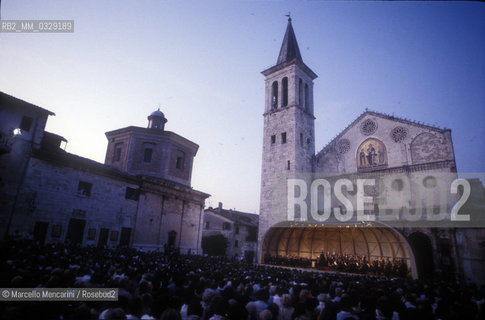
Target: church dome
(157, 113)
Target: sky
(201, 63)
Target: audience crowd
(156, 285)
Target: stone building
(140, 197)
(239, 228)
(384, 187)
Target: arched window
(285, 91)
(274, 95)
(300, 92)
(306, 97)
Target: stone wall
(164, 210)
(50, 194)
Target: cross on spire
(289, 16)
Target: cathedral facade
(384, 188)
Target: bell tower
(289, 131)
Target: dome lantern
(157, 120)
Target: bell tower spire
(289, 48)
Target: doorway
(125, 237)
(172, 235)
(103, 237)
(423, 254)
(75, 231)
(40, 231)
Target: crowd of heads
(170, 286)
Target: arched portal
(423, 251)
(309, 241)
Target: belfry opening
(336, 246)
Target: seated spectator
(286, 313)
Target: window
(84, 188)
(301, 139)
(252, 235)
(273, 139)
(147, 155)
(397, 185)
(180, 163)
(236, 243)
(117, 152)
(283, 138)
(148, 148)
(352, 190)
(79, 213)
(207, 224)
(285, 91)
(274, 95)
(226, 226)
(237, 230)
(306, 97)
(114, 236)
(56, 231)
(180, 160)
(429, 182)
(132, 193)
(288, 165)
(26, 123)
(91, 234)
(300, 92)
